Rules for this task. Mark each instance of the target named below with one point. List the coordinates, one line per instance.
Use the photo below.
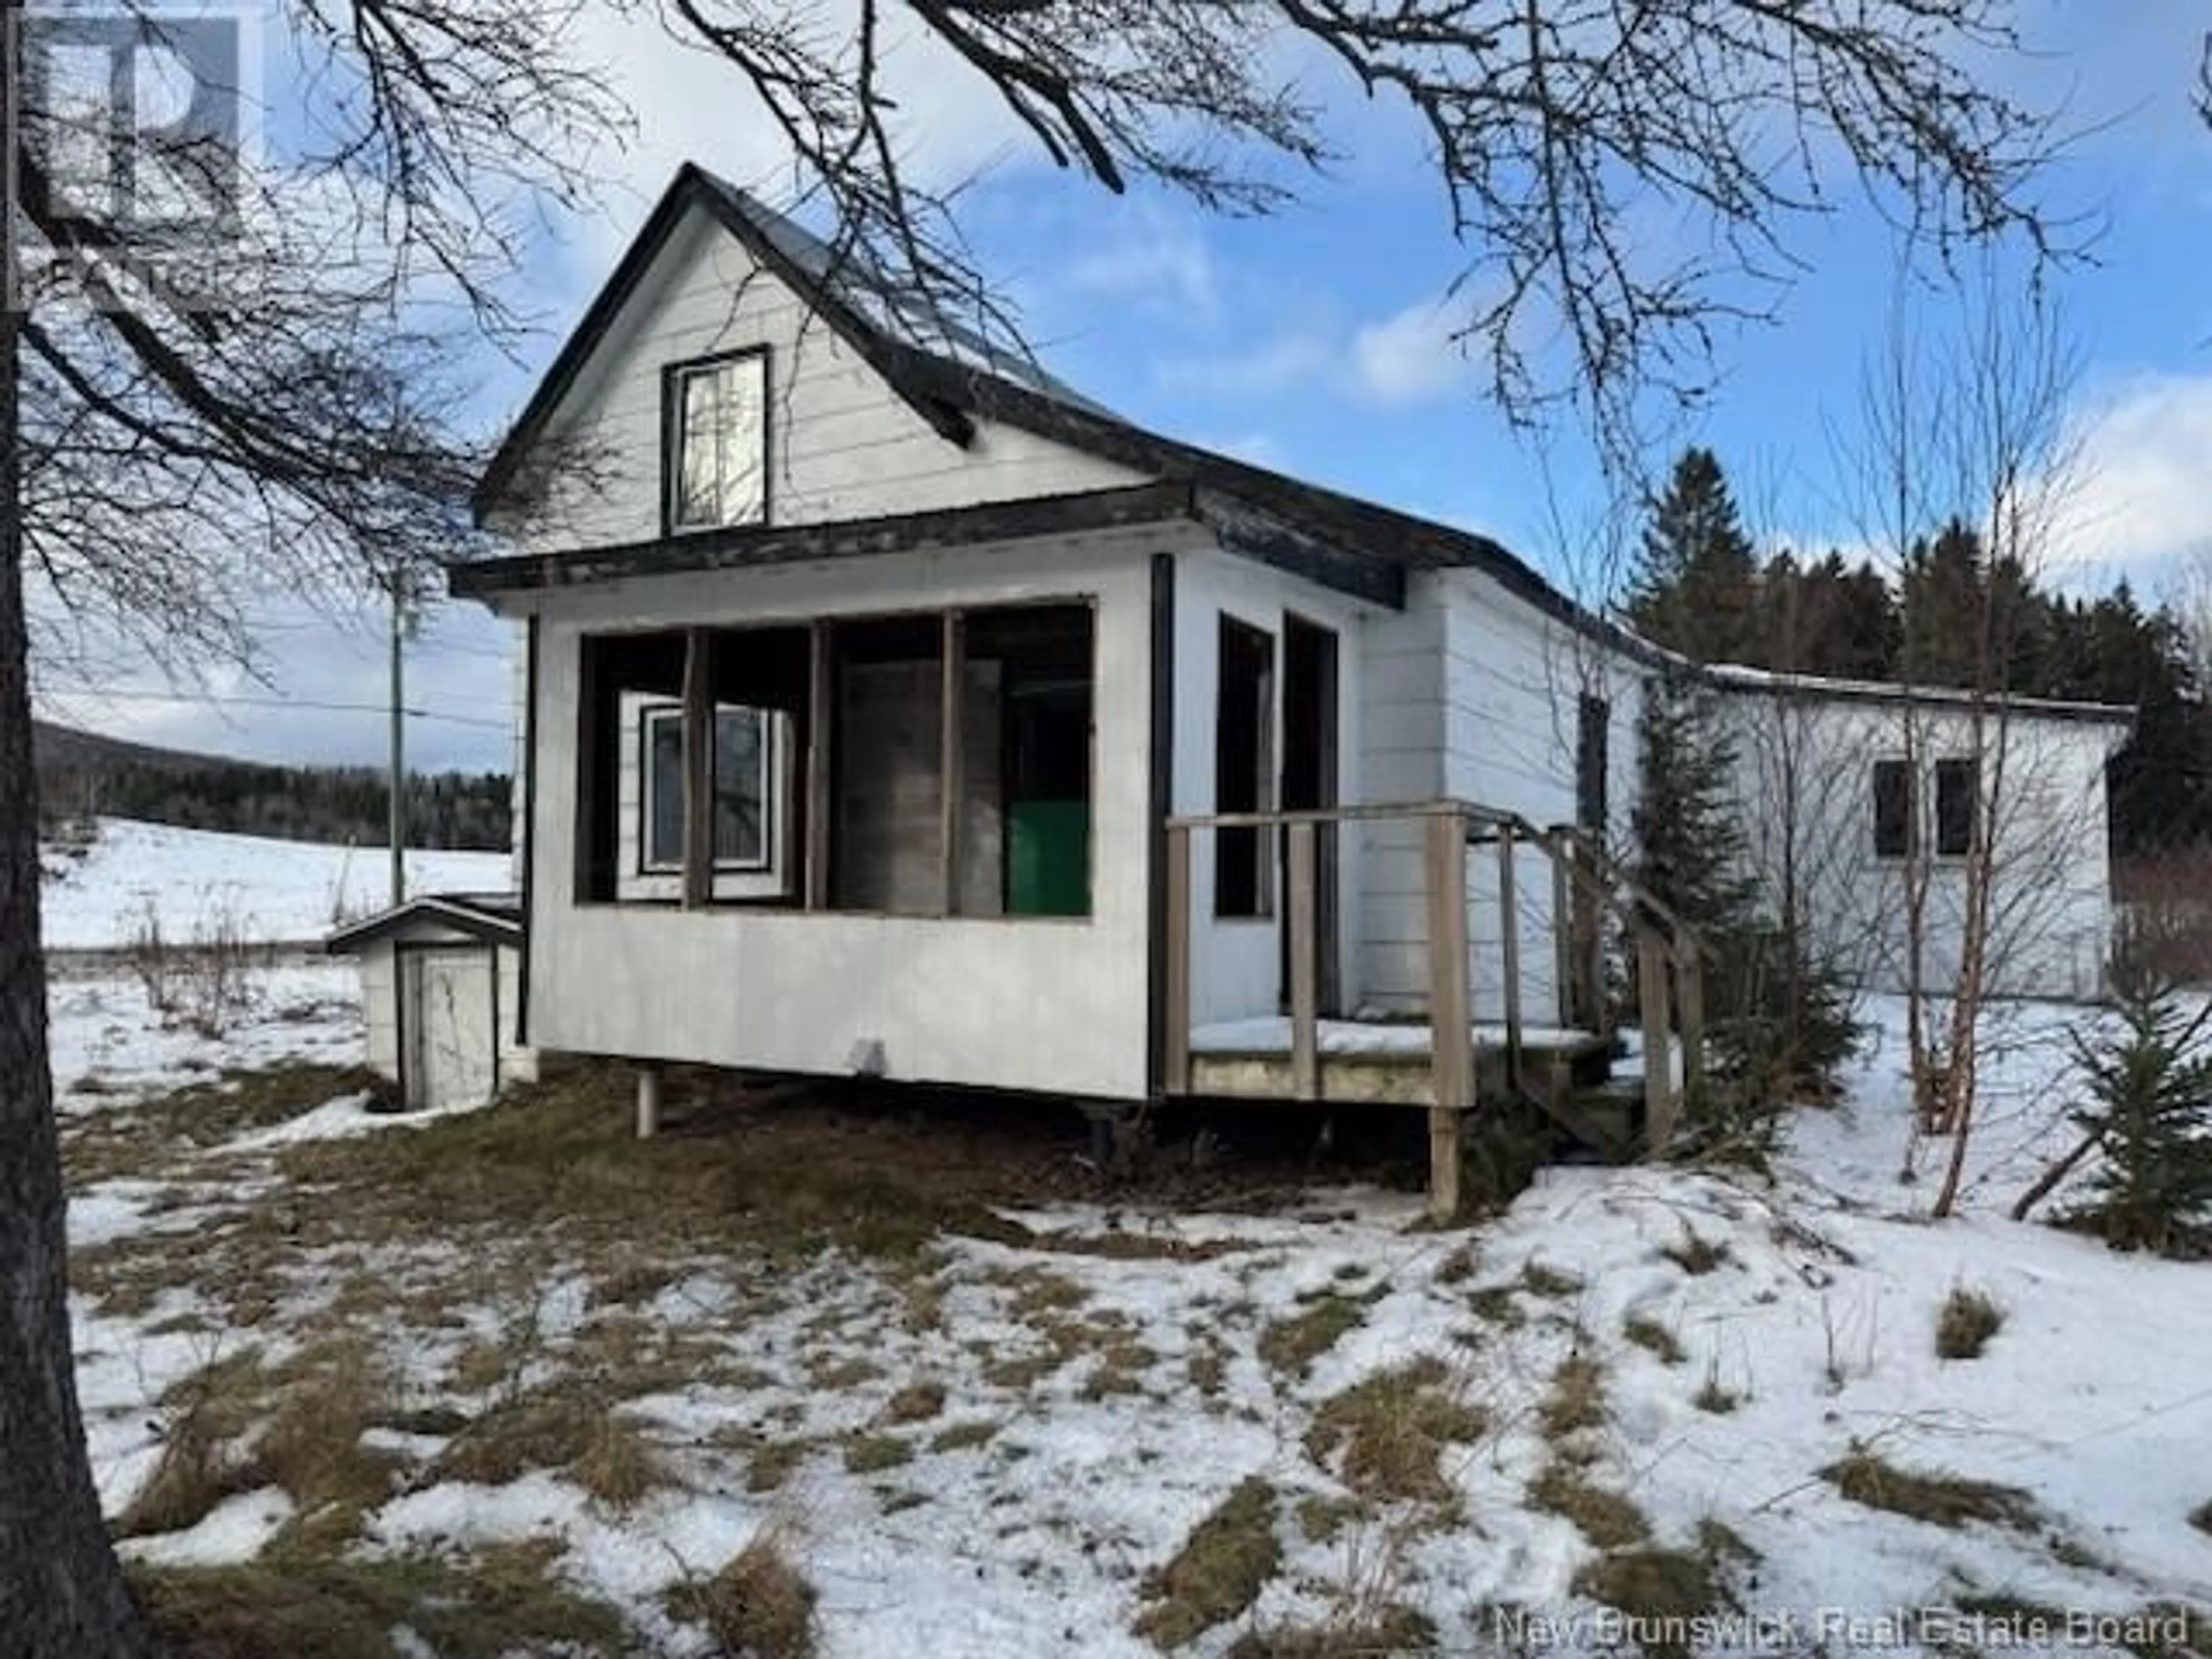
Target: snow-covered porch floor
(1383, 1040)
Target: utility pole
(397, 828)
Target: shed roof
(496, 918)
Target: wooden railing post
(1566, 975)
(1690, 1014)
(1305, 986)
(1658, 1082)
(698, 768)
(1174, 1014)
(1451, 1017)
(1509, 921)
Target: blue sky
(1316, 341)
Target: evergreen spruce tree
(2149, 1113)
(1777, 1020)
(1695, 586)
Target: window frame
(673, 433)
(1953, 766)
(1904, 769)
(648, 790)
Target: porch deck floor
(1268, 1037)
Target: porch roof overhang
(1241, 527)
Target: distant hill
(84, 774)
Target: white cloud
(2145, 474)
(1410, 357)
(1156, 259)
(1293, 359)
(1400, 361)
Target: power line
(233, 701)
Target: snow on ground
(1108, 1382)
(197, 883)
(110, 1046)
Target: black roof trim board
(496, 918)
(748, 545)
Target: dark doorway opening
(1309, 784)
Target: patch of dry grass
(288, 1604)
(545, 1428)
(1539, 1279)
(1292, 1343)
(1219, 1572)
(1387, 1435)
(1967, 1321)
(622, 1467)
(1649, 1334)
(1610, 1520)
(1396, 1630)
(872, 1453)
(1941, 1499)
(1577, 1399)
(327, 1399)
(1322, 1519)
(964, 1436)
(759, 1606)
(142, 1138)
(1697, 1255)
(916, 1402)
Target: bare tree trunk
(62, 1591)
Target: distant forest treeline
(82, 774)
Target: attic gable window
(717, 424)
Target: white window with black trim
(743, 774)
(749, 776)
(717, 423)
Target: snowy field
(196, 884)
(518, 1343)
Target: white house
(882, 699)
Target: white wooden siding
(843, 444)
(1237, 963)
(1473, 695)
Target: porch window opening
(886, 816)
(742, 769)
(1025, 828)
(1958, 800)
(1243, 767)
(1011, 751)
(1893, 809)
(631, 815)
(718, 439)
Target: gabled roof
(496, 918)
(951, 377)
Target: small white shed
(440, 983)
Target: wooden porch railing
(1587, 888)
